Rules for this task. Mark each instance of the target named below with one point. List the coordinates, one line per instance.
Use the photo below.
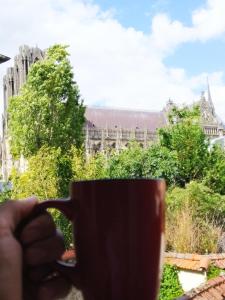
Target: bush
(128, 163)
(6, 192)
(41, 177)
(160, 162)
(215, 175)
(186, 231)
(213, 272)
(170, 287)
(47, 177)
(205, 203)
(93, 167)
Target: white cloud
(207, 22)
(114, 65)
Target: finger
(45, 251)
(40, 228)
(13, 212)
(54, 289)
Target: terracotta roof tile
(213, 289)
(195, 262)
(69, 255)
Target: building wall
(191, 279)
(102, 140)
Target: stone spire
(210, 98)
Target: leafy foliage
(48, 111)
(48, 175)
(170, 287)
(6, 192)
(215, 175)
(186, 138)
(41, 177)
(93, 167)
(195, 215)
(128, 163)
(213, 272)
(160, 162)
(202, 199)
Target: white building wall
(191, 279)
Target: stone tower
(16, 76)
(212, 125)
(12, 82)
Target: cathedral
(105, 128)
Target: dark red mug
(118, 232)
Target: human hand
(42, 245)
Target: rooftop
(213, 289)
(195, 262)
(111, 118)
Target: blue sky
(138, 14)
(194, 57)
(128, 54)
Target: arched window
(26, 65)
(12, 86)
(96, 147)
(113, 146)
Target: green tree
(47, 177)
(204, 201)
(93, 167)
(48, 111)
(160, 162)
(215, 175)
(128, 163)
(185, 136)
(40, 178)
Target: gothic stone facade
(12, 82)
(104, 128)
(107, 128)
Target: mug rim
(119, 180)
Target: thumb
(13, 212)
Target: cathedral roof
(122, 118)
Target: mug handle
(66, 206)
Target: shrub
(160, 162)
(215, 175)
(170, 287)
(213, 272)
(93, 167)
(6, 192)
(128, 163)
(187, 234)
(204, 202)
